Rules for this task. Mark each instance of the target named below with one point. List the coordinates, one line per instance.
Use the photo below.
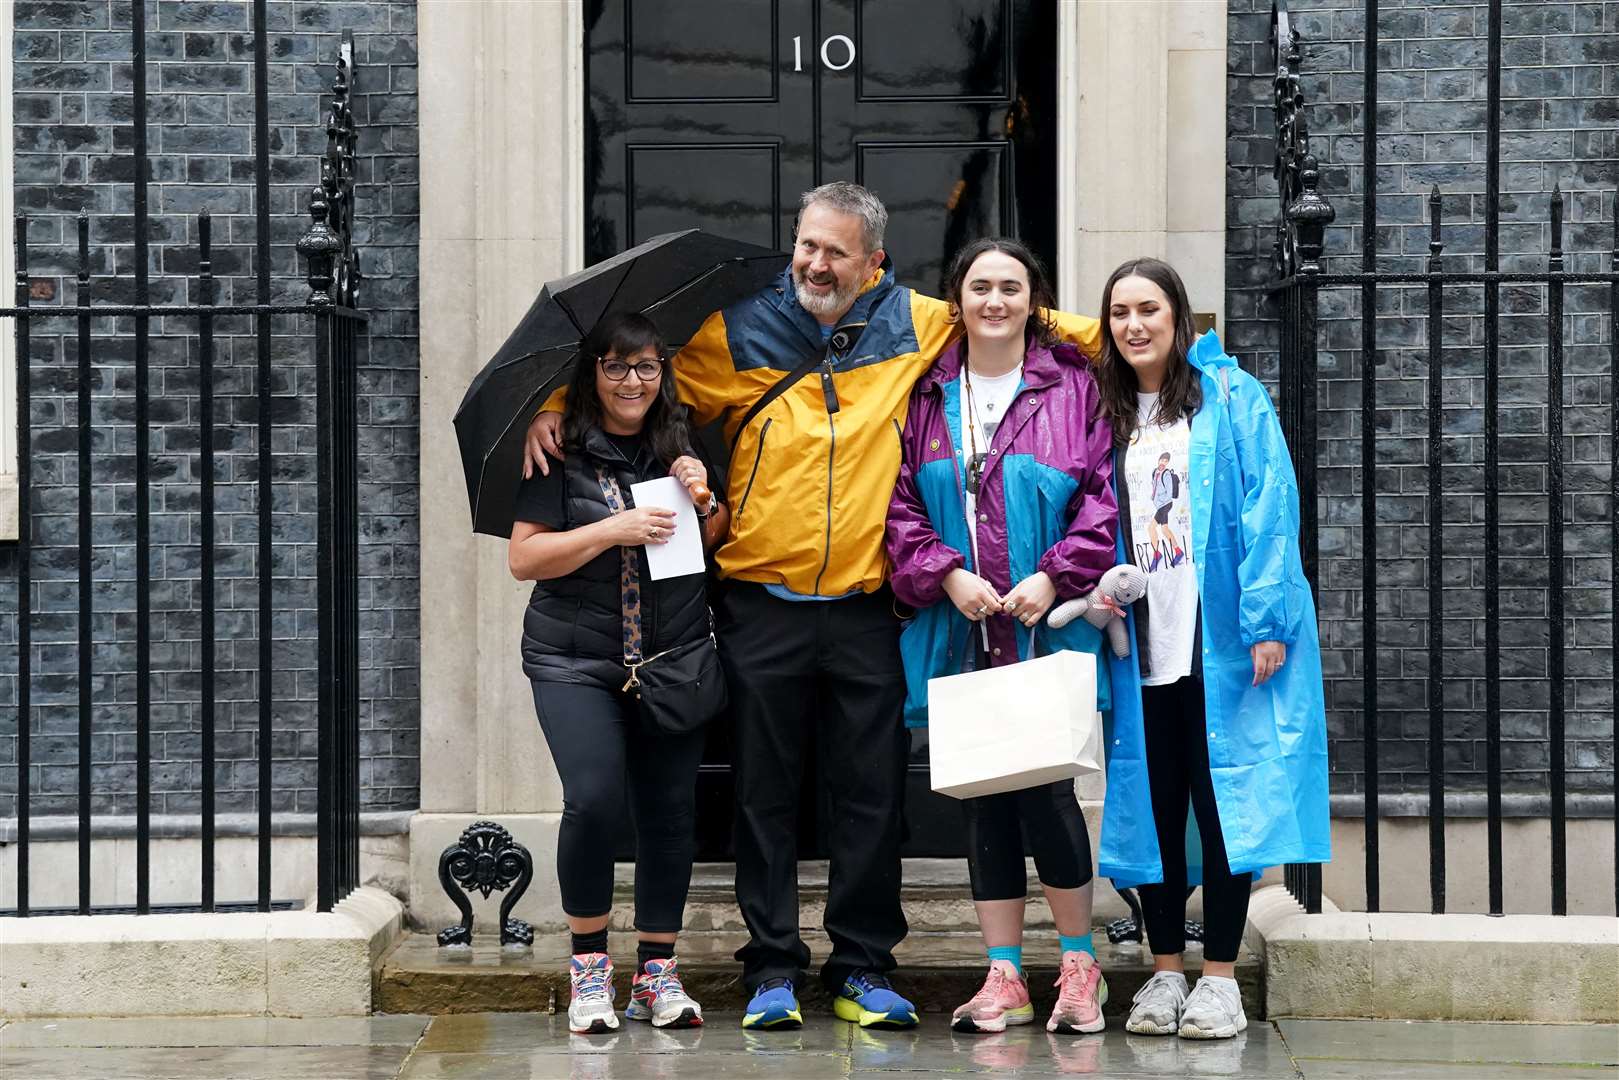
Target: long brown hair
(1116, 379)
(1042, 297)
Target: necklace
(975, 460)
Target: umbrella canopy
(677, 279)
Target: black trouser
(1178, 769)
(1057, 838)
(598, 741)
(802, 675)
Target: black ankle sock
(590, 943)
(652, 950)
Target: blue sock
(1077, 944)
(1012, 954)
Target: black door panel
(953, 194)
(720, 113)
(947, 52)
(668, 186)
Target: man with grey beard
(806, 620)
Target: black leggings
(598, 741)
(1178, 769)
(1057, 837)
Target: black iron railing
(1298, 281)
(333, 278)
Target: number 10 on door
(845, 42)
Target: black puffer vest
(573, 631)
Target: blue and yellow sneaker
(773, 1006)
(867, 999)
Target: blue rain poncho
(1268, 743)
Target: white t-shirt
(1155, 470)
(989, 400)
(981, 413)
(991, 397)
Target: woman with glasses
(1002, 508)
(579, 537)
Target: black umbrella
(677, 279)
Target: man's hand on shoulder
(544, 437)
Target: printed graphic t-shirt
(1155, 469)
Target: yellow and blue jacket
(809, 485)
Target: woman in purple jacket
(1003, 433)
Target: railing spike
(1435, 245)
(1555, 256)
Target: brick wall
(1560, 90)
(72, 137)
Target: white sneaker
(1157, 1006)
(1213, 1010)
(657, 995)
(590, 1011)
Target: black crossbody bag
(680, 689)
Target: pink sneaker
(1002, 1000)
(1081, 993)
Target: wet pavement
(532, 1046)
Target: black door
(720, 113)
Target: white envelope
(1009, 728)
(683, 552)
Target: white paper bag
(1013, 727)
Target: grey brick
(73, 152)
(1559, 127)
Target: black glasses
(617, 370)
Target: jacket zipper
(757, 455)
(830, 394)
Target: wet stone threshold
(937, 971)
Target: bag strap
(629, 575)
(838, 343)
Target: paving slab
(1405, 1070)
(501, 1046)
(501, 1033)
(539, 1048)
(204, 1063)
(621, 1066)
(1033, 1052)
(1417, 1041)
(398, 1030)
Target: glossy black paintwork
(696, 116)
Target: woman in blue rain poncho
(1219, 704)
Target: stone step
(937, 971)
(936, 898)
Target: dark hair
(622, 335)
(1180, 394)
(1042, 297)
